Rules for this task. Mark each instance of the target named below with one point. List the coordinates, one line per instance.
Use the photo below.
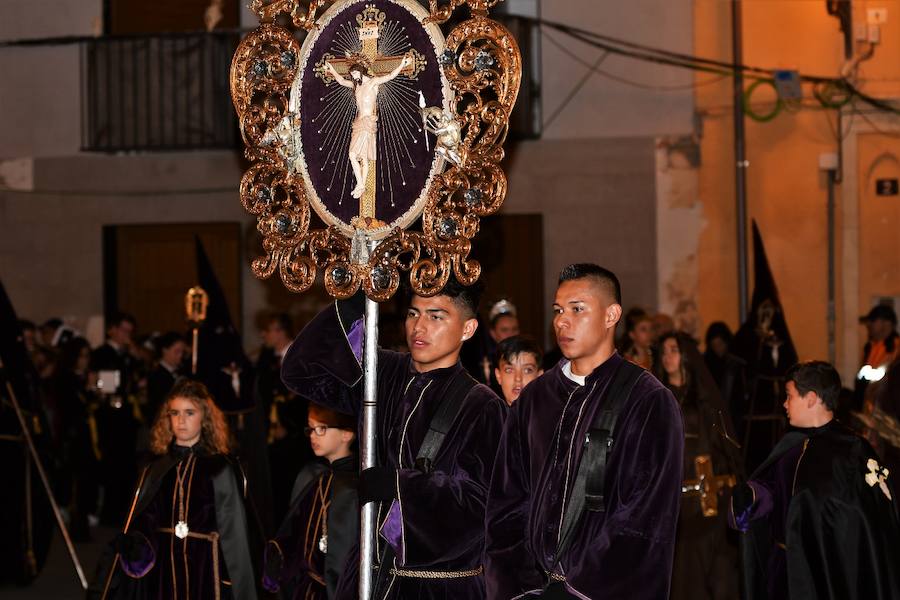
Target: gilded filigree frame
(483, 66)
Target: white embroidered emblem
(878, 474)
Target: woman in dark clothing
(306, 559)
(186, 536)
(637, 344)
(705, 562)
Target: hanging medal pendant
(323, 544)
(181, 530)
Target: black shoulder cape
(229, 487)
(842, 532)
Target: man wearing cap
(880, 350)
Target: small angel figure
(447, 129)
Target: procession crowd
(627, 460)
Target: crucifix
(707, 485)
(366, 71)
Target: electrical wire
(875, 127)
(641, 49)
(687, 61)
(620, 79)
(574, 92)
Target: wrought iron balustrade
(170, 91)
(158, 92)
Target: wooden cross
(707, 485)
(370, 21)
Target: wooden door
(148, 269)
(510, 249)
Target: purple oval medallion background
(344, 206)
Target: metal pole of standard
(832, 349)
(43, 475)
(741, 162)
(367, 450)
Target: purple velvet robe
(437, 521)
(624, 552)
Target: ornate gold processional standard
(374, 121)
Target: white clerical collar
(567, 371)
(167, 367)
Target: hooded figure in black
(706, 563)
(186, 536)
(25, 540)
(819, 516)
(765, 344)
(228, 373)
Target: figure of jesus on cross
(364, 72)
(363, 146)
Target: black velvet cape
(437, 521)
(842, 536)
(624, 552)
(216, 507)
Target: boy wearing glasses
(307, 556)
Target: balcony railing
(158, 92)
(170, 91)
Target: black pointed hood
(220, 343)
(16, 362)
(766, 313)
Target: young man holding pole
(437, 434)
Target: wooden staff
(26, 434)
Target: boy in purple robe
(539, 542)
(430, 516)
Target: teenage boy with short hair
(517, 362)
(819, 517)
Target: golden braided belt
(555, 576)
(437, 574)
(213, 539)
